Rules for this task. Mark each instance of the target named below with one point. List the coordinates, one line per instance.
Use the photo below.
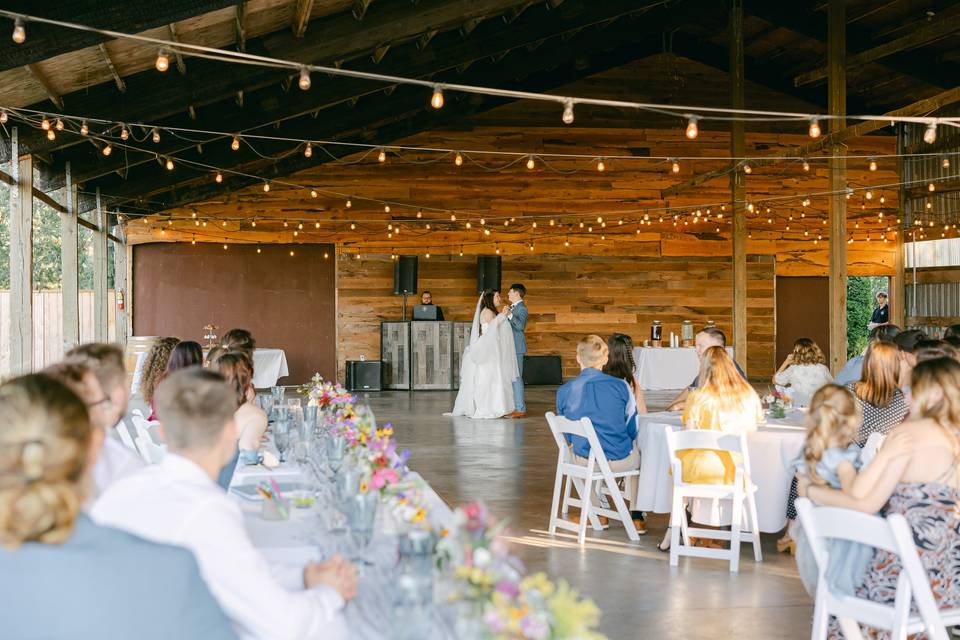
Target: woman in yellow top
(724, 401)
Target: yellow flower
(420, 515)
(444, 532)
(363, 487)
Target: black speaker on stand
(405, 279)
(488, 273)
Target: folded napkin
(270, 461)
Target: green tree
(859, 311)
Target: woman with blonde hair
(803, 371)
(918, 477)
(53, 555)
(724, 401)
(881, 401)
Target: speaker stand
(403, 316)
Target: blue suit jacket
(519, 324)
(105, 584)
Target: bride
(489, 364)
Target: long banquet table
(771, 450)
(667, 368)
(289, 544)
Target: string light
(814, 128)
(51, 134)
(313, 193)
(931, 187)
(163, 60)
(382, 156)
(124, 134)
(107, 150)
(316, 225)
(304, 81)
(59, 124)
(747, 168)
(169, 164)
(453, 217)
(218, 178)
(349, 204)
(156, 136)
(266, 187)
(869, 195)
(458, 159)
(258, 248)
(19, 31)
(45, 123)
(930, 135)
(675, 168)
(873, 164)
(224, 247)
(806, 166)
(3, 117)
(308, 150)
(600, 166)
(692, 129)
(530, 163)
(946, 162)
(386, 208)
(567, 116)
(436, 100)
(235, 143)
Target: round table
(268, 366)
(772, 449)
(666, 367)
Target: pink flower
(508, 588)
(382, 477)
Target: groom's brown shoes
(517, 414)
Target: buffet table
(667, 368)
(771, 448)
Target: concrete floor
(510, 465)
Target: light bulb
(352, 226)
(3, 117)
(747, 168)
(873, 164)
(382, 156)
(59, 124)
(692, 130)
(530, 163)
(235, 143)
(107, 150)
(945, 163)
(386, 208)
(930, 135)
(814, 128)
(304, 81)
(313, 193)
(419, 213)
(163, 60)
(806, 166)
(349, 204)
(84, 129)
(458, 159)
(218, 177)
(45, 124)
(266, 187)
(51, 134)
(124, 134)
(156, 136)
(453, 217)
(19, 31)
(258, 249)
(931, 187)
(567, 112)
(224, 247)
(169, 164)
(869, 195)
(300, 226)
(436, 100)
(316, 225)
(308, 150)
(600, 165)
(675, 167)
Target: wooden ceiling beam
(239, 27)
(360, 8)
(301, 17)
(926, 34)
(121, 85)
(181, 65)
(46, 41)
(52, 93)
(449, 51)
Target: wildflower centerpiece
(778, 403)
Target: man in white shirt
(178, 502)
(116, 460)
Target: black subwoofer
(405, 275)
(363, 375)
(488, 273)
(542, 370)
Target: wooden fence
(48, 325)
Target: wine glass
(336, 450)
(281, 437)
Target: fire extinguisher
(120, 300)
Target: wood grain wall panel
(569, 297)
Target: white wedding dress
(487, 370)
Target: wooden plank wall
(568, 297)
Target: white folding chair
(741, 494)
(151, 451)
(893, 535)
(583, 478)
(123, 431)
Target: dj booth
(422, 354)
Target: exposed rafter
(121, 85)
(360, 8)
(172, 32)
(52, 93)
(301, 17)
(239, 26)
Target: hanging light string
(568, 103)
(35, 117)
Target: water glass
(336, 450)
(280, 413)
(347, 484)
(310, 416)
(361, 517)
(416, 553)
(293, 403)
(281, 437)
(412, 609)
(266, 403)
(277, 394)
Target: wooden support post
(21, 260)
(128, 298)
(100, 327)
(68, 266)
(898, 290)
(738, 188)
(120, 289)
(837, 83)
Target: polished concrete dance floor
(510, 465)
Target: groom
(516, 313)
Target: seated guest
(608, 403)
(115, 460)
(250, 419)
(239, 340)
(852, 369)
(882, 404)
(186, 354)
(178, 502)
(932, 349)
(724, 401)
(923, 485)
(804, 371)
(907, 342)
(154, 368)
(706, 338)
(620, 364)
(61, 575)
(212, 356)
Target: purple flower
(508, 588)
(534, 628)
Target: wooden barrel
(136, 345)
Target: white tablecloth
(268, 366)
(771, 449)
(666, 368)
